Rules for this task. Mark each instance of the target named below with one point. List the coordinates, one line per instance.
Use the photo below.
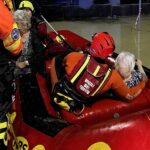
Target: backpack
(85, 81)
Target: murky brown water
(126, 36)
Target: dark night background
(85, 9)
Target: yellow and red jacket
(9, 32)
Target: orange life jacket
(9, 4)
(9, 33)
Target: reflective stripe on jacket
(3, 129)
(115, 81)
(88, 77)
(9, 33)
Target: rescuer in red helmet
(102, 45)
(88, 75)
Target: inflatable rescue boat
(108, 124)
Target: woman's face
(22, 26)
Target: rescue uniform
(115, 82)
(10, 44)
(9, 4)
(82, 78)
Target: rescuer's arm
(9, 5)
(122, 90)
(9, 33)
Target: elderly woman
(125, 64)
(32, 57)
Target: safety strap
(63, 102)
(95, 72)
(81, 69)
(2, 135)
(102, 83)
(3, 125)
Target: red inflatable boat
(107, 124)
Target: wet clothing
(136, 78)
(114, 82)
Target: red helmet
(102, 45)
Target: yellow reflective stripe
(68, 98)
(96, 70)
(2, 135)
(3, 125)
(81, 69)
(9, 38)
(62, 104)
(14, 46)
(107, 74)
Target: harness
(88, 77)
(85, 81)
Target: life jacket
(88, 77)
(9, 4)
(85, 81)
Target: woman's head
(23, 20)
(125, 63)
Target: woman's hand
(21, 65)
(139, 64)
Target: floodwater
(127, 36)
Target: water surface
(126, 35)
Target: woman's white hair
(22, 16)
(126, 60)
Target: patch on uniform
(15, 34)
